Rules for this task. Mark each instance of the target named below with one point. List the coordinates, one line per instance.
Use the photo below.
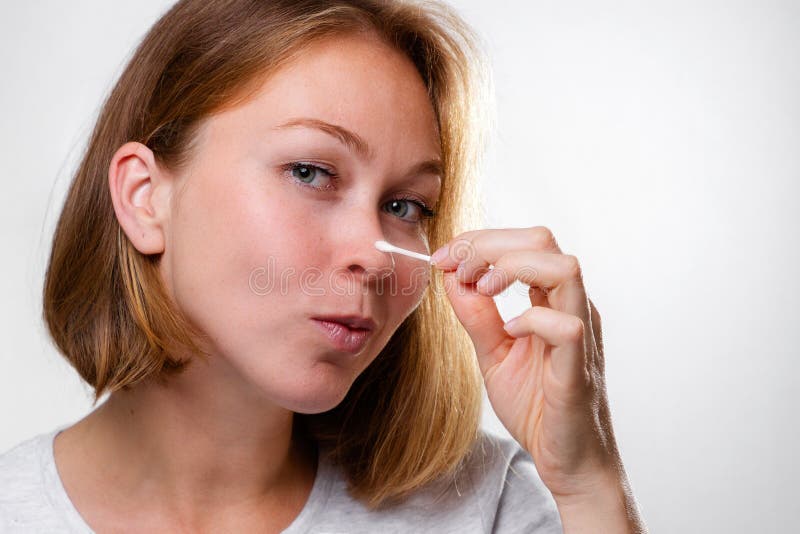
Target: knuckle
(520, 264)
(462, 248)
(573, 329)
(542, 237)
(572, 266)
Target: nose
(356, 250)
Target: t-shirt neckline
(59, 498)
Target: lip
(351, 321)
(346, 333)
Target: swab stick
(388, 247)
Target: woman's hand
(544, 370)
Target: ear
(140, 192)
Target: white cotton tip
(384, 246)
(388, 247)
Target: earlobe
(136, 183)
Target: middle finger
(472, 252)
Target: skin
(231, 214)
(237, 206)
(544, 370)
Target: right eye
(306, 173)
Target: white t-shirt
(498, 491)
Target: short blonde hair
(414, 413)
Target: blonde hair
(414, 413)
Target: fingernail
(485, 281)
(440, 254)
(512, 326)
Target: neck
(194, 441)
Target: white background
(659, 140)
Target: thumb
(480, 318)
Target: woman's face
(274, 222)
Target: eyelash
(425, 210)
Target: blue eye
(307, 172)
(401, 207)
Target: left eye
(401, 207)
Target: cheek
(230, 247)
(411, 280)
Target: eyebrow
(357, 144)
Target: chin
(315, 405)
(319, 393)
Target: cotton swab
(388, 247)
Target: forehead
(355, 81)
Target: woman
(268, 368)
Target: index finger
(478, 247)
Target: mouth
(346, 333)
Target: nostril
(378, 271)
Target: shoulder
(495, 489)
(20, 468)
(24, 503)
(505, 479)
